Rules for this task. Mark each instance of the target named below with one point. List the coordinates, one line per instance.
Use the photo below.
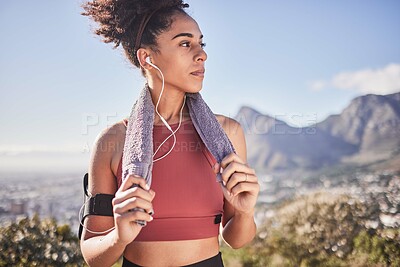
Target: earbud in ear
(148, 61)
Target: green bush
(378, 249)
(35, 242)
(320, 230)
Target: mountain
(370, 122)
(366, 131)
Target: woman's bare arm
(241, 190)
(106, 249)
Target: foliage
(316, 230)
(379, 249)
(320, 230)
(35, 242)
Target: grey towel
(138, 148)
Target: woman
(159, 37)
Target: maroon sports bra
(189, 200)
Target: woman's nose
(201, 55)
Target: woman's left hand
(239, 183)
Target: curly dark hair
(119, 21)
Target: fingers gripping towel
(138, 148)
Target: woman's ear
(141, 55)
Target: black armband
(100, 204)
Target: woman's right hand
(127, 198)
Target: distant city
(61, 196)
(57, 196)
(380, 188)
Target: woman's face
(181, 56)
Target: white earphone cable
(80, 216)
(172, 134)
(163, 120)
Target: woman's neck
(170, 103)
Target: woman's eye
(185, 44)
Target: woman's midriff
(171, 253)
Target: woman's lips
(198, 73)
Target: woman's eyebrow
(186, 34)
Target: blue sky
(298, 61)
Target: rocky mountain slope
(367, 131)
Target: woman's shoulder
(109, 142)
(107, 151)
(235, 133)
(230, 125)
(112, 133)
